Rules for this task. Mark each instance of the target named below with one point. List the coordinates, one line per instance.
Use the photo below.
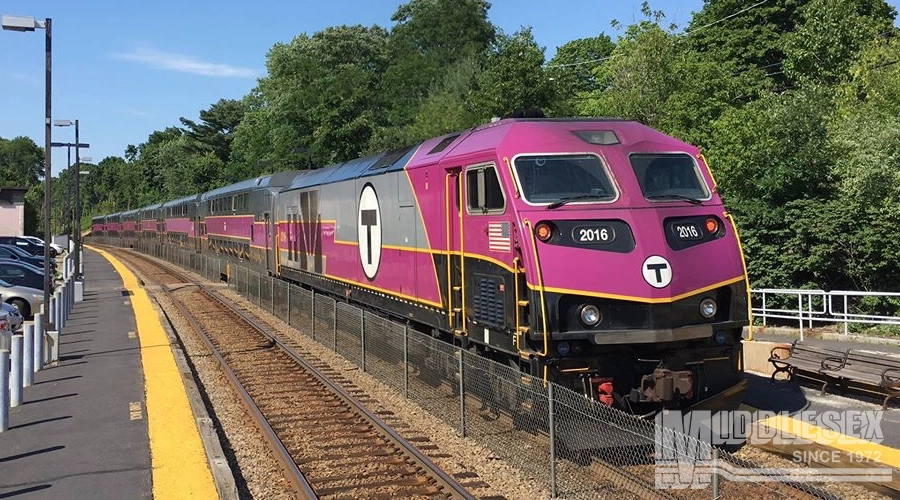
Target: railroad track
(329, 445)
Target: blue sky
(127, 68)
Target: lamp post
(77, 216)
(69, 184)
(22, 23)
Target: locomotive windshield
(669, 176)
(562, 178)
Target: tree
(746, 36)
(21, 162)
(428, 37)
(572, 70)
(830, 35)
(514, 77)
(215, 131)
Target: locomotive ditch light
(712, 225)
(708, 307)
(589, 315)
(543, 231)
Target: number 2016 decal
(590, 235)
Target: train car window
(483, 191)
(576, 178)
(668, 176)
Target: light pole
(77, 225)
(22, 23)
(70, 185)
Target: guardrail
(820, 306)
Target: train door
(270, 242)
(488, 284)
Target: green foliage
(830, 35)
(796, 103)
(514, 78)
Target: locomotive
(595, 253)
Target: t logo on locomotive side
(369, 231)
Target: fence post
(810, 309)
(551, 423)
(272, 295)
(462, 394)
(312, 316)
(846, 329)
(362, 341)
(406, 361)
(259, 289)
(15, 379)
(715, 473)
(334, 324)
(800, 312)
(289, 305)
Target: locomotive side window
(483, 190)
(668, 176)
(553, 179)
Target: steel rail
(291, 470)
(443, 480)
(442, 477)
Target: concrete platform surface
(81, 431)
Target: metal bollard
(51, 311)
(59, 308)
(28, 355)
(4, 388)
(15, 378)
(38, 341)
(53, 344)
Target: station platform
(803, 400)
(111, 419)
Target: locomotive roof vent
(599, 137)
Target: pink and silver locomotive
(593, 253)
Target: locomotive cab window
(483, 192)
(669, 176)
(560, 179)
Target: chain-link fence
(578, 447)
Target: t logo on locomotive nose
(657, 271)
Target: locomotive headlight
(589, 315)
(708, 307)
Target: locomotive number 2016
(687, 231)
(593, 234)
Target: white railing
(818, 306)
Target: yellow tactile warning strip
(866, 450)
(177, 457)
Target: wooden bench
(806, 361)
(866, 372)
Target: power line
(726, 17)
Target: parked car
(15, 317)
(13, 253)
(34, 239)
(21, 274)
(27, 300)
(29, 246)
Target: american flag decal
(498, 236)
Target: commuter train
(593, 253)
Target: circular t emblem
(368, 231)
(657, 271)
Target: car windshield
(577, 178)
(669, 176)
(16, 250)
